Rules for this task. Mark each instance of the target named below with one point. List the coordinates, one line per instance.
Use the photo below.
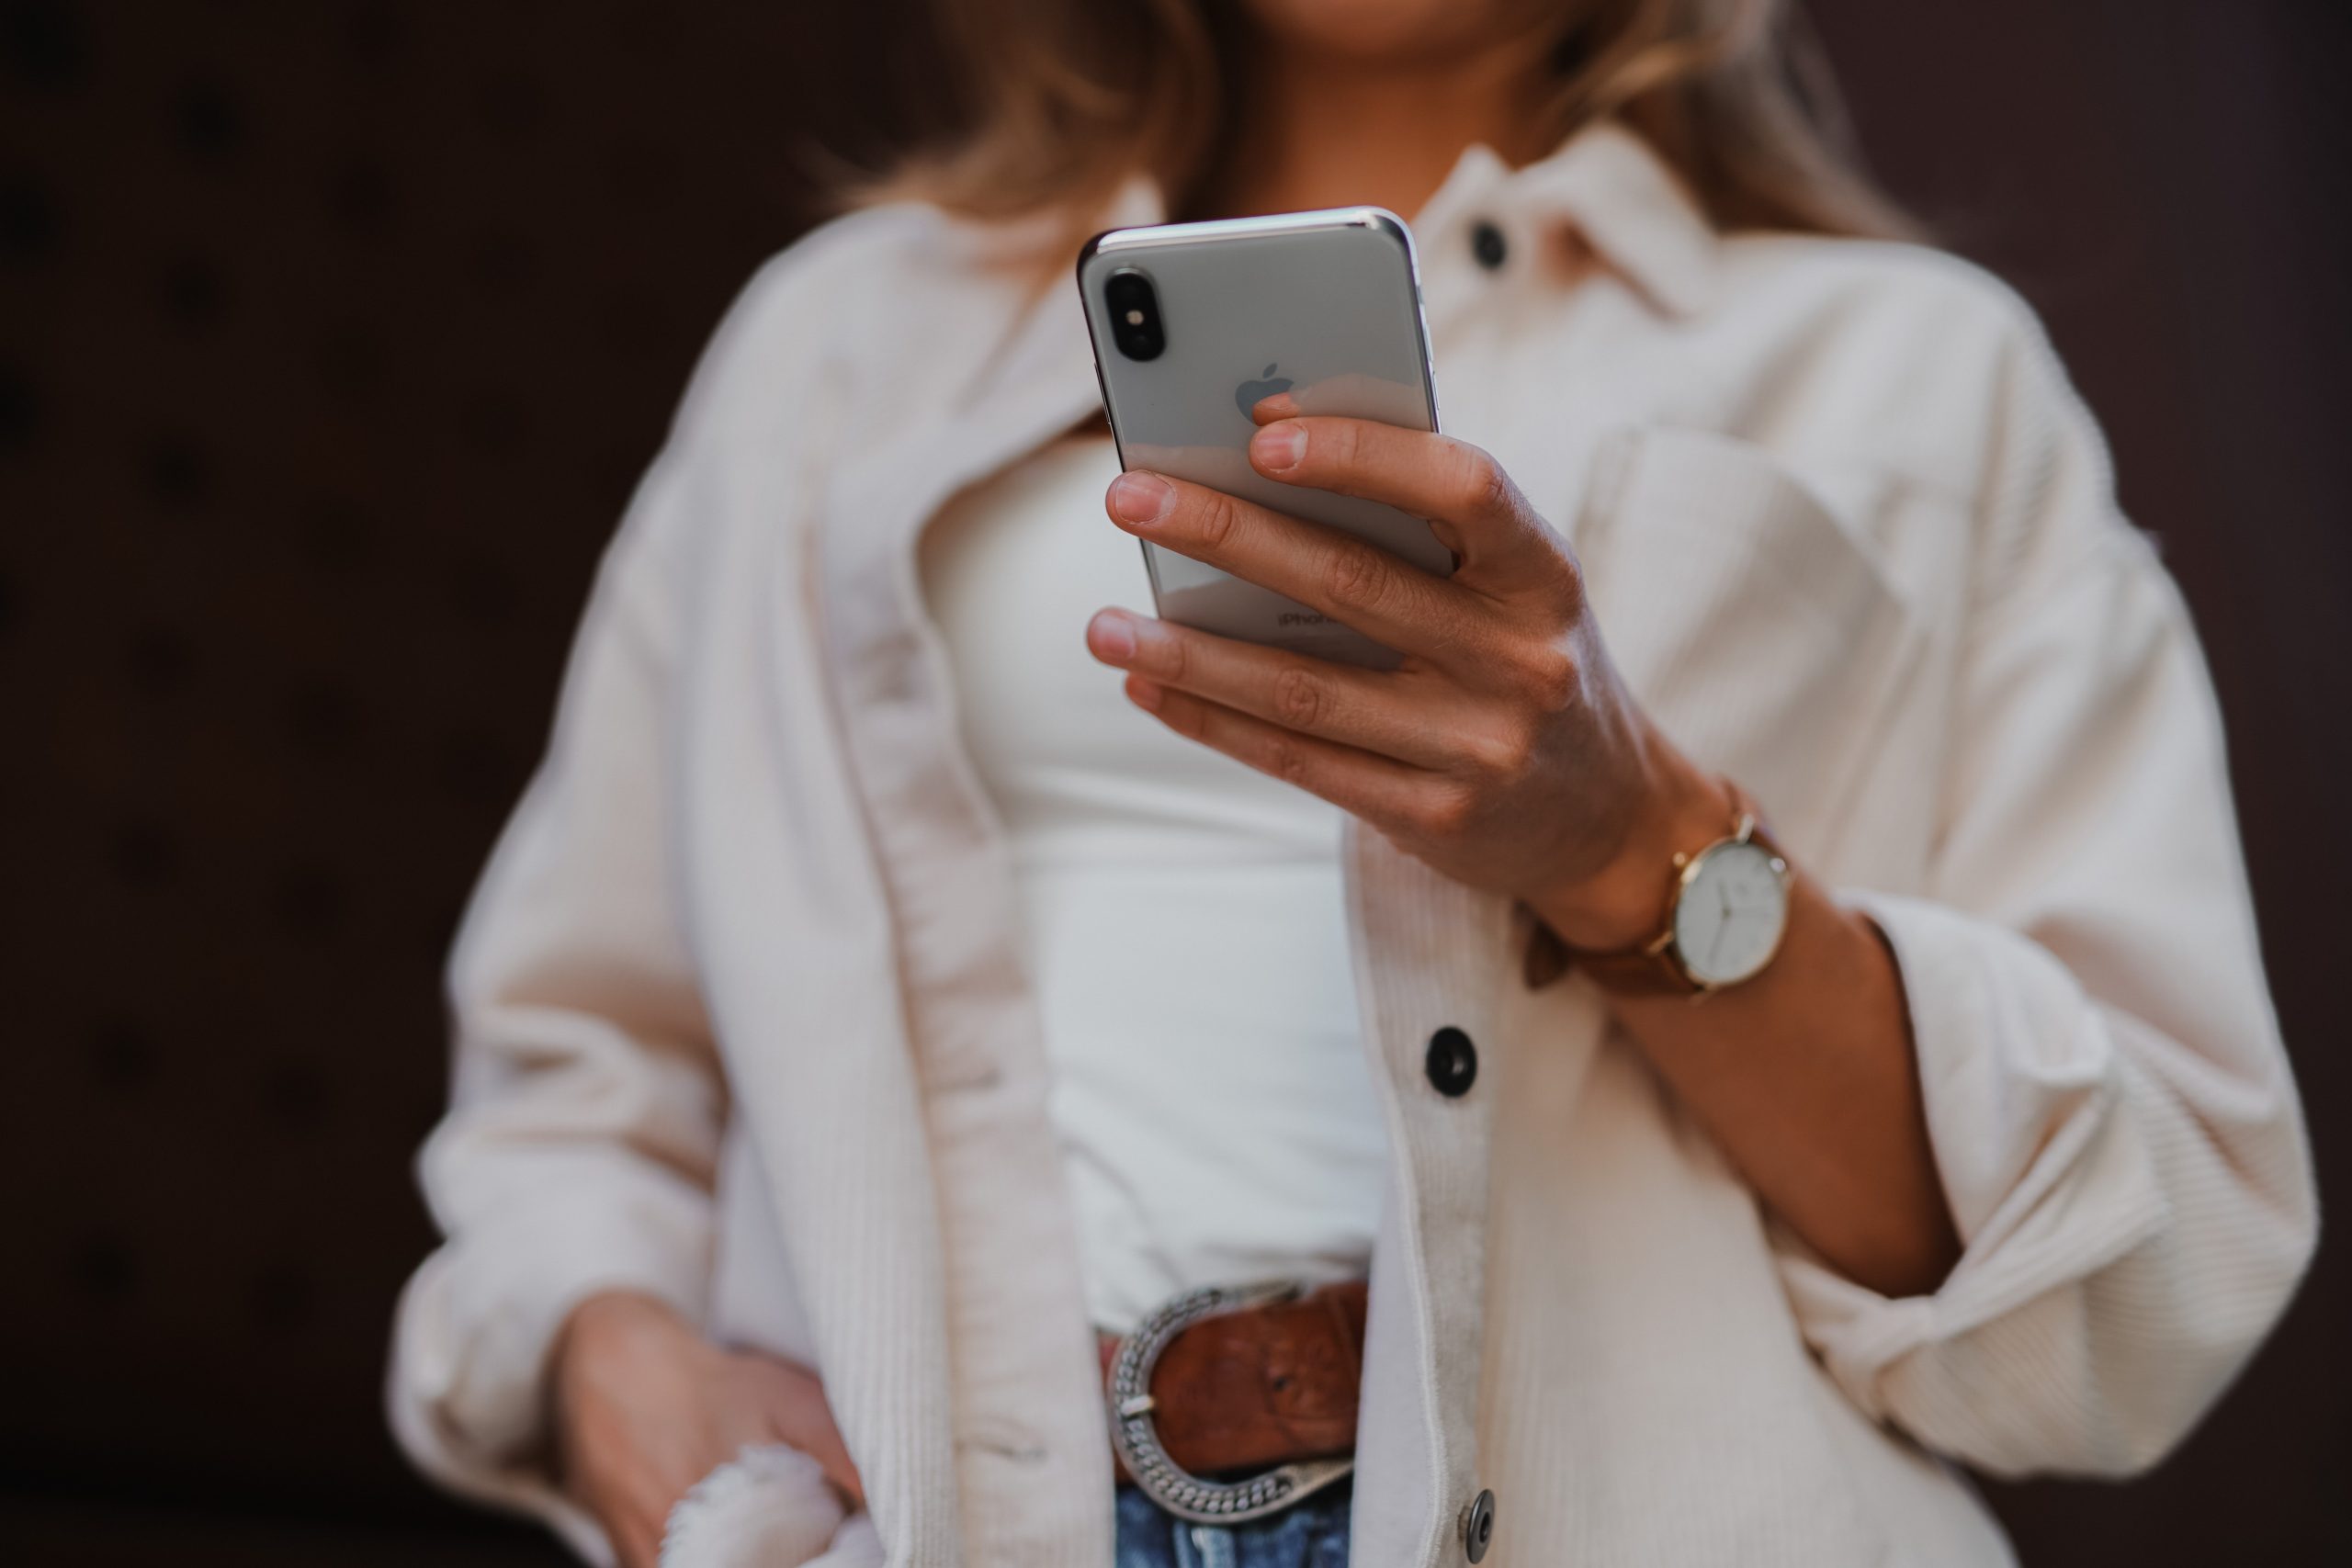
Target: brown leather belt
(1252, 1387)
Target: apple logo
(1246, 396)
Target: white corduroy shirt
(741, 1019)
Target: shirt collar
(1604, 184)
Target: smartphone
(1193, 323)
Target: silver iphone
(1193, 323)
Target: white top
(1183, 921)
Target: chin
(1376, 29)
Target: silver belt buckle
(1182, 1494)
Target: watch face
(1729, 921)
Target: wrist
(609, 1342)
(614, 1312)
(610, 1328)
(1623, 903)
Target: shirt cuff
(478, 1324)
(2048, 1181)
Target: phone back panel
(1325, 305)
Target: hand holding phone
(1488, 733)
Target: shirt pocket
(1757, 625)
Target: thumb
(824, 1444)
(794, 1404)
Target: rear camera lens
(1134, 307)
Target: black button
(1488, 244)
(1453, 1062)
(1479, 1525)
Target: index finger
(1351, 580)
(1458, 487)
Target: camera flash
(1135, 318)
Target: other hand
(645, 1408)
(1503, 750)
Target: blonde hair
(1068, 98)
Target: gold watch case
(1703, 974)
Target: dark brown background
(335, 334)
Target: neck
(1314, 130)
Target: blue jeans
(1312, 1534)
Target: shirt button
(1451, 1063)
(1488, 244)
(1479, 1525)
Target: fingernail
(1144, 693)
(1141, 497)
(1278, 446)
(1112, 637)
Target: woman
(876, 1001)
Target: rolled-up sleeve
(2110, 1106)
(586, 1106)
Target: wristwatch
(1726, 913)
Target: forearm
(1807, 1077)
(1804, 1075)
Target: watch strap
(1651, 971)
